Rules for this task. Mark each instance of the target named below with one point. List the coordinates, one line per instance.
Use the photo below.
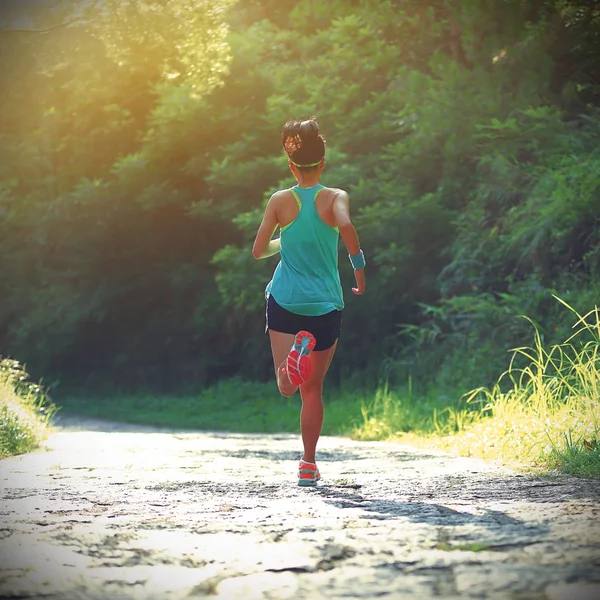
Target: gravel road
(108, 511)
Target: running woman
(304, 297)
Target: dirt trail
(108, 511)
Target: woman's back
(306, 281)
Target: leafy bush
(543, 411)
(546, 412)
(25, 411)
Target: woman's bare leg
(311, 391)
(311, 415)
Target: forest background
(139, 142)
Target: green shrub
(546, 413)
(25, 410)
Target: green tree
(140, 141)
(103, 107)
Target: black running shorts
(326, 328)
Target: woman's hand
(361, 284)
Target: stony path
(110, 512)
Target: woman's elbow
(257, 255)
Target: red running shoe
(298, 364)
(308, 474)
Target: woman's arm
(341, 212)
(264, 246)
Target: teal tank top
(307, 281)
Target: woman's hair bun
(308, 129)
(302, 141)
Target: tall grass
(395, 413)
(543, 411)
(25, 410)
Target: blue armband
(358, 260)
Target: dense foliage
(139, 142)
(25, 411)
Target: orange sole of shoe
(298, 364)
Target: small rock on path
(108, 511)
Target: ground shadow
(429, 513)
(338, 455)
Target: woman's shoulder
(281, 195)
(335, 191)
